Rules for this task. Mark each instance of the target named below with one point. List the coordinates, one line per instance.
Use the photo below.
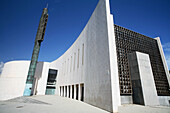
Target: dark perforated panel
(128, 41)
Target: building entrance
(51, 82)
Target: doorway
(72, 91)
(77, 91)
(82, 92)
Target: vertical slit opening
(82, 92)
(77, 91)
(72, 91)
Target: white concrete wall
(143, 85)
(42, 82)
(116, 100)
(126, 100)
(96, 67)
(147, 79)
(164, 100)
(13, 78)
(98, 74)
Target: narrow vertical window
(65, 67)
(71, 64)
(68, 67)
(69, 91)
(77, 91)
(74, 60)
(72, 91)
(82, 54)
(82, 92)
(78, 58)
(60, 90)
(65, 91)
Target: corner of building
(116, 100)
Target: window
(77, 91)
(60, 90)
(82, 54)
(64, 67)
(82, 92)
(65, 91)
(78, 58)
(69, 91)
(74, 60)
(51, 82)
(68, 66)
(71, 64)
(72, 91)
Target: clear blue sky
(67, 18)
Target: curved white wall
(13, 78)
(92, 60)
(14, 75)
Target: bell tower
(29, 87)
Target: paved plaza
(57, 104)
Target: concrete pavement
(57, 104)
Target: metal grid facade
(128, 41)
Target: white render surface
(116, 100)
(143, 73)
(147, 80)
(13, 78)
(126, 100)
(95, 66)
(164, 100)
(42, 81)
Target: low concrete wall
(126, 100)
(143, 85)
(13, 78)
(164, 100)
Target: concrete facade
(13, 78)
(42, 80)
(164, 100)
(88, 70)
(126, 100)
(81, 64)
(144, 90)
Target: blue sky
(67, 18)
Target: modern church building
(106, 66)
